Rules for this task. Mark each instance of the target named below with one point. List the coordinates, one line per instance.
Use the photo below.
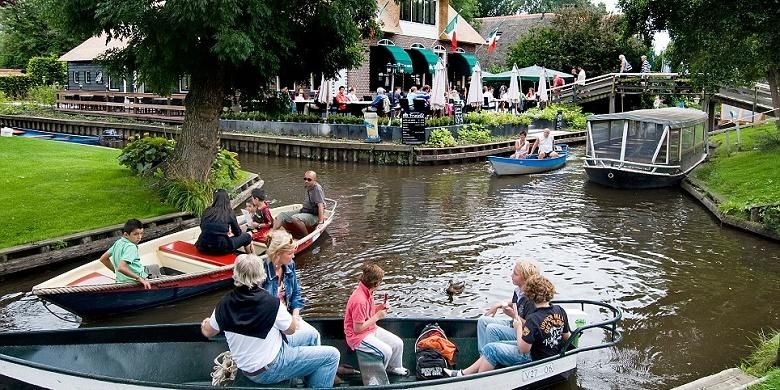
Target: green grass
(761, 361)
(55, 188)
(771, 383)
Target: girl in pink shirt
(360, 319)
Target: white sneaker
(453, 373)
(398, 371)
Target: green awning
(463, 61)
(424, 57)
(399, 56)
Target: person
(454, 96)
(282, 282)
(361, 316)
(530, 98)
(625, 67)
(503, 103)
(219, 230)
(657, 103)
(261, 218)
(351, 95)
(311, 214)
(541, 335)
(580, 75)
(411, 95)
(487, 98)
(544, 145)
(398, 94)
(381, 103)
(557, 83)
(122, 257)
(645, 65)
(285, 94)
(521, 146)
(253, 321)
(301, 95)
(341, 100)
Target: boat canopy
(672, 117)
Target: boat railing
(610, 325)
(594, 161)
(334, 202)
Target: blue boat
(77, 139)
(515, 166)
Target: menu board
(458, 111)
(413, 128)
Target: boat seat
(187, 250)
(372, 369)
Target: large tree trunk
(773, 76)
(197, 145)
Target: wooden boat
(178, 356)
(91, 290)
(514, 166)
(645, 148)
(78, 139)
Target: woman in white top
(625, 67)
(521, 147)
(351, 95)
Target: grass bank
(762, 362)
(55, 188)
(746, 178)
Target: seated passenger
(261, 218)
(253, 322)
(282, 282)
(123, 259)
(360, 320)
(310, 215)
(521, 147)
(220, 233)
(542, 335)
(545, 145)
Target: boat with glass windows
(645, 148)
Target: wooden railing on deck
(121, 104)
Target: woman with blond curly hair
(282, 282)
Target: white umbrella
(439, 88)
(513, 93)
(543, 87)
(324, 95)
(475, 88)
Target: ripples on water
(692, 293)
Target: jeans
(491, 329)
(316, 365)
(304, 336)
(504, 353)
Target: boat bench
(372, 369)
(189, 251)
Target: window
(76, 78)
(385, 42)
(99, 77)
(417, 46)
(88, 77)
(184, 83)
(440, 51)
(418, 11)
(114, 83)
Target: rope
(46, 306)
(224, 370)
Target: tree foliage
(583, 37)
(47, 70)
(511, 7)
(468, 9)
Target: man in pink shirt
(360, 320)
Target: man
(645, 65)
(581, 76)
(545, 146)
(341, 100)
(311, 214)
(381, 103)
(123, 259)
(253, 321)
(557, 85)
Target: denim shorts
(504, 353)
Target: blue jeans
(504, 353)
(304, 336)
(316, 365)
(491, 329)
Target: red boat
(91, 291)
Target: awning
(424, 60)
(462, 63)
(399, 56)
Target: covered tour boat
(179, 357)
(645, 148)
(91, 290)
(522, 166)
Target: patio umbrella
(542, 91)
(439, 88)
(513, 93)
(475, 88)
(324, 95)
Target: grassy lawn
(760, 362)
(55, 188)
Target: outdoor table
(356, 108)
(302, 106)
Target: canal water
(694, 294)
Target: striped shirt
(645, 66)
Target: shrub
(474, 134)
(224, 169)
(143, 154)
(770, 216)
(769, 140)
(441, 138)
(488, 118)
(16, 86)
(3, 98)
(43, 94)
(345, 119)
(47, 70)
(186, 195)
(438, 121)
(386, 121)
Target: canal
(693, 294)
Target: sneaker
(453, 373)
(398, 371)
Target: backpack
(433, 353)
(385, 105)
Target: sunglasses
(307, 179)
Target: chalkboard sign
(413, 128)
(559, 121)
(458, 110)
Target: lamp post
(392, 69)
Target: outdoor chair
(404, 105)
(421, 105)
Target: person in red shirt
(341, 100)
(557, 84)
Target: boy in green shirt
(123, 258)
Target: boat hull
(616, 178)
(512, 166)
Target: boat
(644, 149)
(72, 138)
(523, 166)
(91, 291)
(178, 356)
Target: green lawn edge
(763, 361)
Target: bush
(16, 86)
(43, 94)
(143, 154)
(47, 70)
(3, 98)
(488, 118)
(438, 121)
(770, 217)
(224, 169)
(345, 119)
(186, 195)
(769, 140)
(441, 138)
(474, 134)
(386, 121)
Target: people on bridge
(311, 214)
(521, 146)
(220, 232)
(122, 257)
(580, 76)
(557, 84)
(645, 65)
(545, 145)
(254, 322)
(625, 67)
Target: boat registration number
(540, 371)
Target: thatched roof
(463, 32)
(92, 48)
(512, 28)
(389, 18)
(10, 72)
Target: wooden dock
(730, 379)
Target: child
(360, 319)
(123, 258)
(261, 216)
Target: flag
(492, 40)
(450, 31)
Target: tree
(26, 31)
(468, 9)
(47, 70)
(223, 46)
(498, 7)
(578, 36)
(512, 7)
(718, 41)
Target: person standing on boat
(255, 324)
(545, 146)
(311, 214)
(282, 282)
(220, 232)
(521, 146)
(541, 335)
(123, 259)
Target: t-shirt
(581, 77)
(524, 305)
(546, 144)
(544, 330)
(253, 353)
(360, 307)
(127, 251)
(314, 196)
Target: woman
(282, 282)
(220, 233)
(625, 66)
(521, 147)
